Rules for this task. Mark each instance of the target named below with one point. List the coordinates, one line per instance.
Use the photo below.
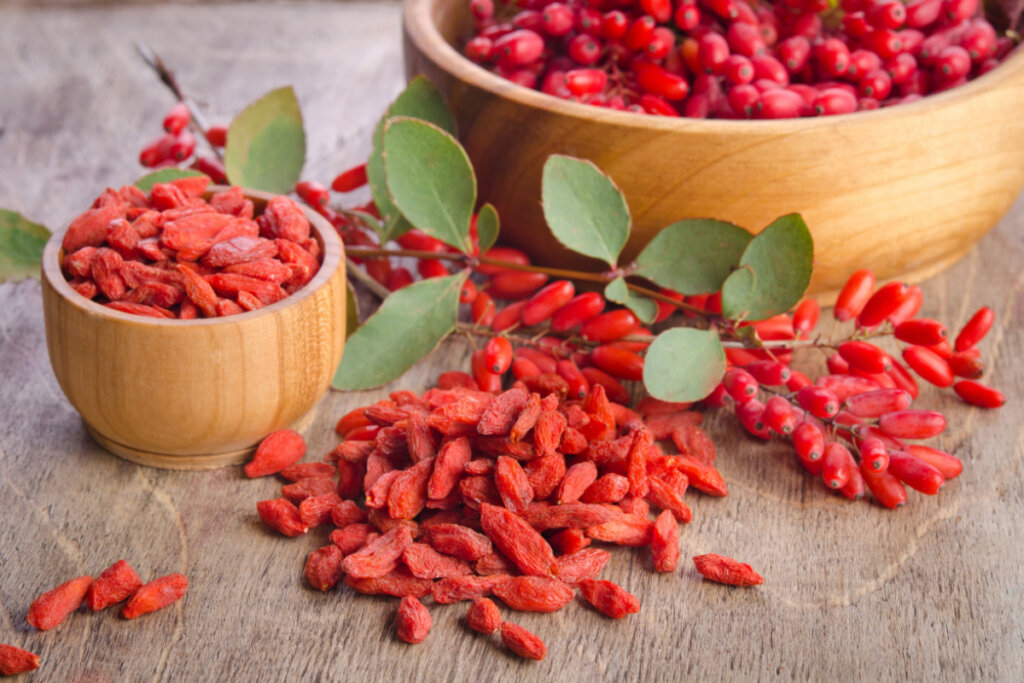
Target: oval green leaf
(266, 145)
(430, 179)
(644, 308)
(693, 256)
(407, 326)
(487, 227)
(584, 209)
(419, 100)
(782, 259)
(21, 246)
(684, 364)
(164, 175)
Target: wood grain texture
(911, 208)
(929, 592)
(223, 383)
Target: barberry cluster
(177, 145)
(733, 58)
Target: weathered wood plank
(929, 591)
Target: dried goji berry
(575, 515)
(609, 598)
(351, 537)
(413, 620)
(459, 541)
(155, 595)
(323, 567)
(520, 542)
(522, 642)
(398, 584)
(457, 588)
(585, 563)
(534, 593)
(116, 583)
(379, 557)
(14, 660)
(278, 450)
(426, 563)
(513, 484)
(316, 510)
(726, 570)
(51, 608)
(408, 494)
(576, 480)
(306, 488)
(281, 516)
(483, 616)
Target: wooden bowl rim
(332, 259)
(418, 24)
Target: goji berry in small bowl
(908, 188)
(193, 393)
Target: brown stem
(357, 273)
(151, 58)
(368, 252)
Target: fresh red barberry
(183, 146)
(921, 331)
(837, 465)
(967, 364)
(930, 366)
(609, 326)
(874, 455)
(854, 295)
(498, 355)
(882, 304)
(518, 48)
(740, 384)
(177, 118)
(865, 356)
(915, 473)
(351, 179)
(975, 329)
(313, 193)
(978, 394)
(778, 415)
(818, 401)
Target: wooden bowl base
(205, 461)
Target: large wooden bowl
(196, 394)
(905, 190)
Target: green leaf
(407, 326)
(21, 246)
(781, 257)
(266, 145)
(693, 256)
(684, 364)
(430, 179)
(644, 308)
(487, 227)
(419, 100)
(584, 209)
(164, 175)
(351, 310)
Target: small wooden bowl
(905, 190)
(196, 394)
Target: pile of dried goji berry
(468, 493)
(172, 254)
(737, 59)
(117, 583)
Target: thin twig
(166, 76)
(358, 273)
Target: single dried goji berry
(513, 484)
(483, 616)
(379, 557)
(426, 563)
(545, 473)
(14, 660)
(575, 515)
(534, 593)
(576, 480)
(281, 516)
(408, 494)
(51, 608)
(726, 570)
(520, 542)
(665, 543)
(351, 537)
(609, 598)
(457, 588)
(347, 512)
(608, 488)
(522, 642)
(316, 510)
(459, 541)
(116, 583)
(585, 563)
(278, 450)
(306, 488)
(625, 530)
(413, 620)
(398, 584)
(323, 567)
(155, 595)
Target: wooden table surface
(852, 590)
